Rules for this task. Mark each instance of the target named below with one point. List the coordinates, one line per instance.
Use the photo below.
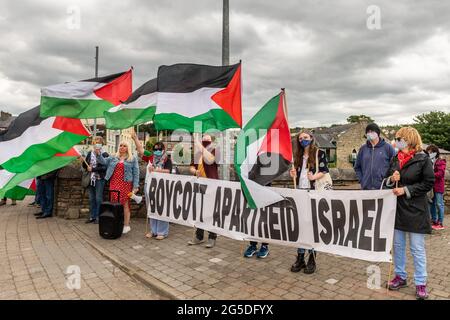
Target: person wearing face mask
(159, 162)
(373, 159)
(411, 176)
(123, 175)
(305, 173)
(438, 189)
(97, 175)
(204, 165)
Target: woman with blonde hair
(123, 175)
(411, 176)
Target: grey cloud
(321, 52)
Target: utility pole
(226, 33)
(96, 75)
(225, 62)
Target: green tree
(356, 118)
(434, 127)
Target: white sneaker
(126, 229)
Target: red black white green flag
(30, 138)
(86, 99)
(9, 180)
(139, 108)
(189, 93)
(23, 189)
(264, 152)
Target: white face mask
(433, 155)
(372, 136)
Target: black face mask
(206, 143)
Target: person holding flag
(306, 171)
(204, 165)
(97, 175)
(123, 175)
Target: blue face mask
(158, 153)
(402, 144)
(305, 143)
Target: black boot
(311, 265)
(299, 264)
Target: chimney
(4, 116)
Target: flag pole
(285, 109)
(96, 75)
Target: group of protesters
(416, 177)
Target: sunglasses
(398, 139)
(157, 149)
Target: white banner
(355, 224)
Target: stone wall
(351, 139)
(72, 201)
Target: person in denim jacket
(123, 175)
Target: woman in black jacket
(411, 175)
(97, 175)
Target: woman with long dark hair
(310, 164)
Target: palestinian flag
(189, 93)
(263, 153)
(23, 189)
(139, 108)
(9, 180)
(30, 138)
(86, 99)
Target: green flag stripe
(43, 150)
(36, 170)
(213, 119)
(74, 108)
(19, 193)
(127, 118)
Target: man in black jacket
(97, 174)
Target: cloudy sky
(323, 52)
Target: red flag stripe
(118, 90)
(229, 99)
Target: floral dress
(117, 183)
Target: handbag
(324, 183)
(430, 196)
(85, 178)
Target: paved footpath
(33, 255)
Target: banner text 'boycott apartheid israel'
(356, 224)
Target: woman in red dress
(123, 176)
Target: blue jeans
(39, 192)
(37, 197)
(96, 198)
(48, 195)
(438, 201)
(302, 251)
(417, 247)
(159, 227)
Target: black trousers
(254, 243)
(199, 234)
